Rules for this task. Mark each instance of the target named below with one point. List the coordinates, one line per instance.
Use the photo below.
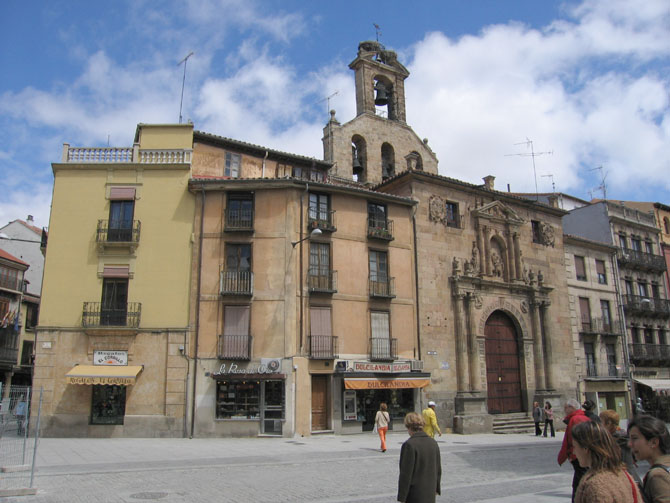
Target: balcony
(321, 280)
(323, 347)
(646, 306)
(603, 370)
(382, 288)
(635, 259)
(12, 283)
(380, 229)
(98, 319)
(383, 349)
(239, 220)
(322, 220)
(601, 326)
(114, 236)
(649, 353)
(124, 155)
(234, 282)
(234, 347)
(9, 346)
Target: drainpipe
(197, 310)
(300, 262)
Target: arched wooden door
(503, 377)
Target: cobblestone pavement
(329, 468)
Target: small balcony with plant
(380, 229)
(322, 220)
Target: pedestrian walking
(20, 414)
(573, 416)
(610, 420)
(606, 480)
(650, 441)
(548, 419)
(382, 420)
(537, 418)
(589, 408)
(430, 420)
(420, 464)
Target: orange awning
(381, 383)
(124, 375)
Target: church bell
(382, 97)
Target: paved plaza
(322, 468)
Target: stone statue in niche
(540, 278)
(496, 261)
(531, 277)
(455, 268)
(474, 262)
(467, 268)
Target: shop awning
(655, 384)
(385, 383)
(124, 375)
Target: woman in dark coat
(420, 465)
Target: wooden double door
(503, 376)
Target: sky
(587, 82)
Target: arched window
(358, 158)
(388, 161)
(384, 98)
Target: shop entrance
(320, 402)
(399, 402)
(502, 365)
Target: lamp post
(315, 232)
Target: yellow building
(114, 321)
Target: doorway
(503, 377)
(320, 399)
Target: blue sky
(587, 81)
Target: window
(635, 335)
(240, 210)
(537, 231)
(585, 311)
(453, 217)
(382, 347)
(580, 268)
(622, 241)
(629, 286)
(9, 278)
(320, 331)
(114, 304)
(120, 220)
(642, 288)
(600, 271)
(379, 321)
(237, 278)
(232, 168)
(648, 335)
(319, 208)
(655, 291)
(238, 257)
(319, 274)
(376, 216)
(4, 307)
(238, 399)
(662, 337)
(650, 247)
(378, 266)
(32, 312)
(636, 244)
(606, 313)
(236, 342)
(27, 353)
(108, 404)
(590, 359)
(610, 350)
(666, 225)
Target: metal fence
(19, 436)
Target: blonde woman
(382, 420)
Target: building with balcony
(598, 328)
(303, 296)
(12, 290)
(114, 319)
(644, 297)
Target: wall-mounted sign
(381, 367)
(110, 357)
(431, 353)
(271, 366)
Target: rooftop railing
(121, 155)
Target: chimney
(553, 201)
(488, 182)
(30, 219)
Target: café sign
(389, 368)
(110, 357)
(267, 367)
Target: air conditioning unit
(416, 364)
(272, 365)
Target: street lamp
(314, 233)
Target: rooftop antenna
(378, 30)
(181, 102)
(553, 185)
(603, 185)
(533, 155)
(327, 100)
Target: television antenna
(183, 81)
(603, 185)
(553, 185)
(327, 100)
(533, 155)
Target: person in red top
(573, 415)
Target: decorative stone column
(546, 330)
(511, 262)
(538, 353)
(487, 251)
(461, 344)
(517, 256)
(473, 346)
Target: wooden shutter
(236, 320)
(319, 321)
(380, 324)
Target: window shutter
(122, 193)
(236, 320)
(380, 325)
(319, 319)
(116, 271)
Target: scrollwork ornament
(524, 306)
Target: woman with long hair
(382, 420)
(650, 441)
(606, 480)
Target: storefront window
(237, 399)
(109, 404)
(399, 402)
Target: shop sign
(382, 367)
(110, 357)
(269, 367)
(118, 381)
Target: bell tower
(380, 82)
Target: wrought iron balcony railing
(323, 347)
(234, 347)
(234, 282)
(605, 370)
(323, 220)
(9, 345)
(380, 229)
(601, 326)
(648, 306)
(649, 352)
(383, 349)
(116, 232)
(321, 280)
(239, 220)
(641, 260)
(382, 287)
(97, 315)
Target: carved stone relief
(437, 209)
(547, 234)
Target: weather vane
(378, 30)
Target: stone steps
(513, 423)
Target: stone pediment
(498, 212)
